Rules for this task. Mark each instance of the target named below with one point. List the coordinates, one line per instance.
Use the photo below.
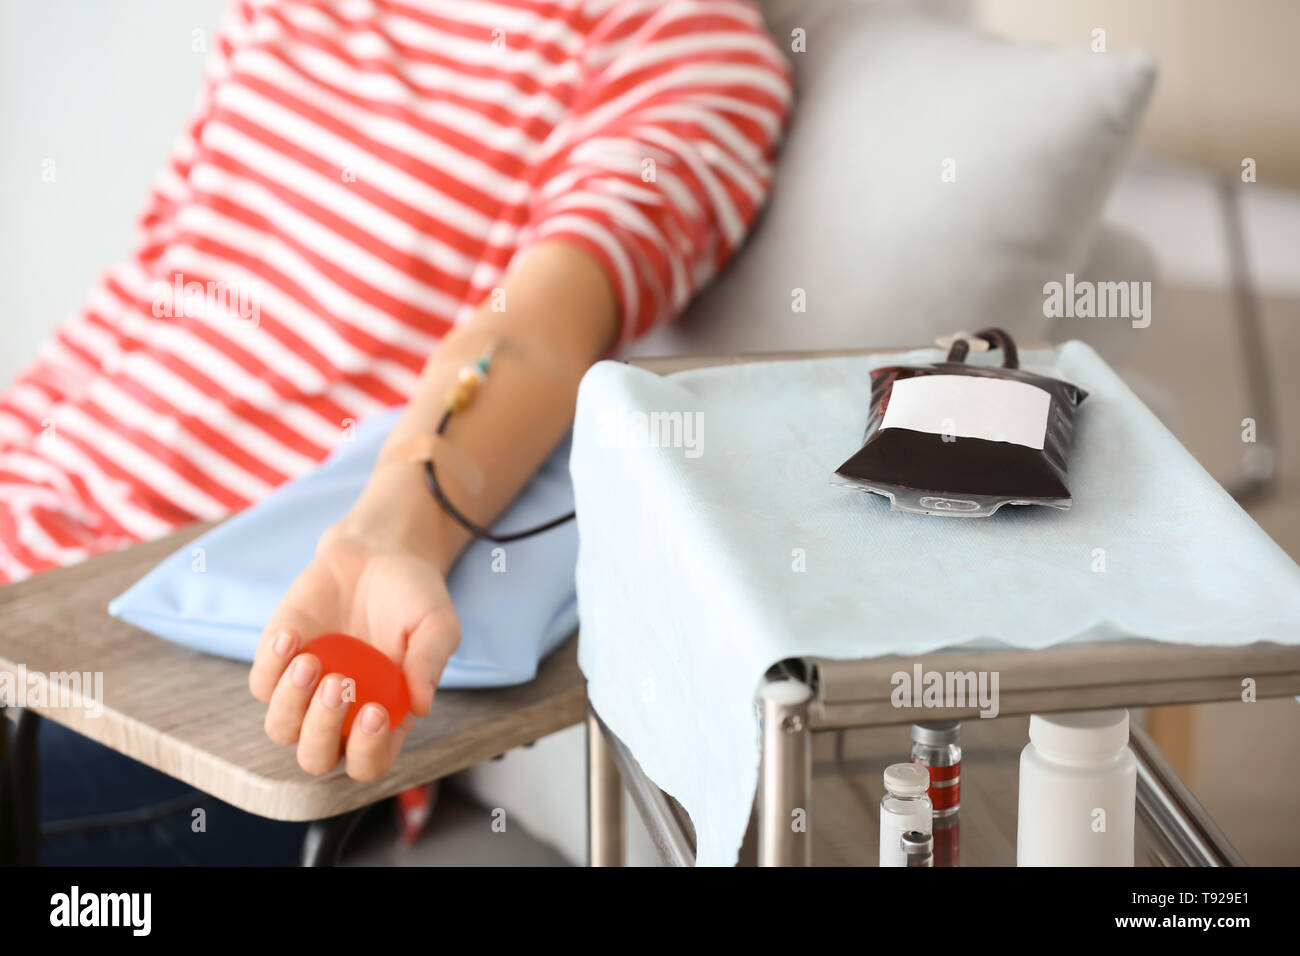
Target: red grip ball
(376, 679)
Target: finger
(276, 648)
(290, 699)
(428, 649)
(373, 745)
(321, 739)
(289, 627)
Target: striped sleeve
(666, 157)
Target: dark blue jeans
(99, 808)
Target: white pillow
(861, 218)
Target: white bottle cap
(906, 779)
(1080, 733)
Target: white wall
(102, 89)
(1228, 71)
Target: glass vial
(935, 747)
(917, 848)
(947, 841)
(904, 807)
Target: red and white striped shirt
(357, 178)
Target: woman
(370, 196)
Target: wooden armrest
(191, 715)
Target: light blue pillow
(216, 593)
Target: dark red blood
(375, 678)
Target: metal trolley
(802, 700)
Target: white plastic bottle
(904, 807)
(1078, 790)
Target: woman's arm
(379, 573)
(639, 196)
(558, 316)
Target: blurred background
(92, 96)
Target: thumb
(428, 649)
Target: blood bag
(964, 440)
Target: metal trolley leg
(604, 799)
(785, 775)
(19, 808)
(323, 845)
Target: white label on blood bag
(968, 406)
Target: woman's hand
(382, 587)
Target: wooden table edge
(315, 798)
